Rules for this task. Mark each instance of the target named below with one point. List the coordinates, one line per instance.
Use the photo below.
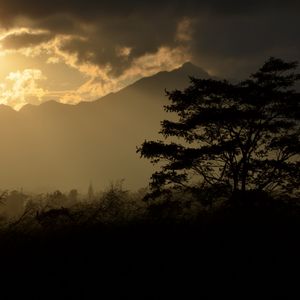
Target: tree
(239, 137)
(91, 194)
(73, 196)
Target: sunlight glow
(22, 83)
(22, 87)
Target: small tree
(91, 194)
(234, 136)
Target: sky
(73, 51)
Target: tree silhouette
(91, 194)
(240, 137)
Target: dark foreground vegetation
(118, 247)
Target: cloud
(24, 39)
(184, 30)
(219, 32)
(105, 72)
(22, 87)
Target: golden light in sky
(37, 68)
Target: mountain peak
(188, 65)
(50, 103)
(189, 69)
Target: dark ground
(232, 255)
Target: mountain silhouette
(60, 146)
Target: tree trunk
(244, 184)
(244, 177)
(235, 184)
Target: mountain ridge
(187, 69)
(61, 146)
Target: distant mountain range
(59, 146)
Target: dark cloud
(229, 37)
(241, 42)
(95, 8)
(24, 39)
(108, 35)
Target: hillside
(59, 146)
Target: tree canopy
(242, 136)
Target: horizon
(188, 63)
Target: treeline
(116, 205)
(20, 209)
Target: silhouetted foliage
(234, 137)
(54, 217)
(55, 199)
(73, 196)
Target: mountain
(59, 146)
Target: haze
(73, 52)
